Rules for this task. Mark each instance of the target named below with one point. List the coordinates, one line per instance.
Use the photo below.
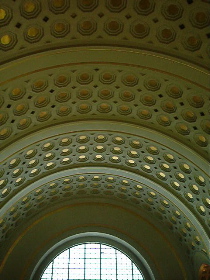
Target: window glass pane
(124, 266)
(76, 262)
(92, 261)
(108, 262)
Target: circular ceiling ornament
(3, 118)
(7, 41)
(106, 93)
(20, 109)
(64, 110)
(33, 33)
(130, 79)
(172, 10)
(87, 5)
(152, 84)
(17, 93)
(5, 132)
(84, 93)
(192, 42)
(87, 26)
(85, 78)
(60, 28)
(104, 108)
(39, 85)
(113, 26)
(144, 7)
(116, 5)
(62, 96)
(59, 6)
(174, 91)
(166, 34)
(139, 29)
(200, 18)
(5, 15)
(127, 95)
(41, 101)
(62, 80)
(30, 8)
(107, 77)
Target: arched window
(92, 260)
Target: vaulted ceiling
(105, 105)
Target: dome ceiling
(106, 101)
(177, 28)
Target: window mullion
(69, 265)
(100, 261)
(52, 270)
(116, 262)
(84, 260)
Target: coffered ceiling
(107, 102)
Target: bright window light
(92, 261)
